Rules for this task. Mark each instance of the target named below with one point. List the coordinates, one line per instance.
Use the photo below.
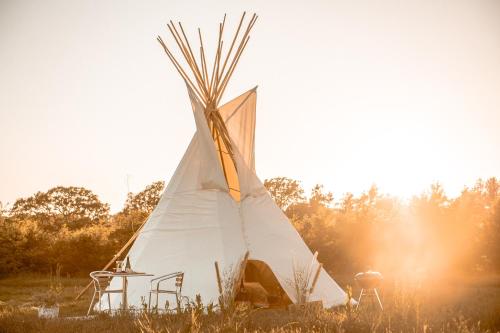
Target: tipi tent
(215, 208)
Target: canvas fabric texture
(198, 222)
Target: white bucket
(48, 312)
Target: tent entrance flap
(261, 287)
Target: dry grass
(435, 306)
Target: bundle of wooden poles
(209, 86)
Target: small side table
(124, 277)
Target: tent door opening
(261, 287)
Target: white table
(124, 276)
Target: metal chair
(101, 281)
(177, 290)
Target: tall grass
(473, 307)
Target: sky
(400, 94)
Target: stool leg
(359, 300)
(378, 298)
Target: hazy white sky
(396, 93)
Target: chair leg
(149, 302)
(378, 298)
(109, 303)
(157, 296)
(100, 298)
(91, 302)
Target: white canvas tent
(215, 208)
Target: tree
(318, 198)
(347, 203)
(284, 191)
(493, 240)
(493, 187)
(297, 211)
(431, 205)
(145, 201)
(71, 206)
(137, 208)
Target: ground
(445, 305)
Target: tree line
(429, 234)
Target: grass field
(448, 305)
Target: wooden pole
(316, 277)
(234, 40)
(181, 71)
(230, 72)
(221, 156)
(191, 64)
(241, 274)
(219, 285)
(217, 67)
(203, 61)
(220, 88)
(212, 78)
(209, 88)
(219, 281)
(219, 124)
(196, 68)
(188, 57)
(242, 41)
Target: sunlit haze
(351, 93)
